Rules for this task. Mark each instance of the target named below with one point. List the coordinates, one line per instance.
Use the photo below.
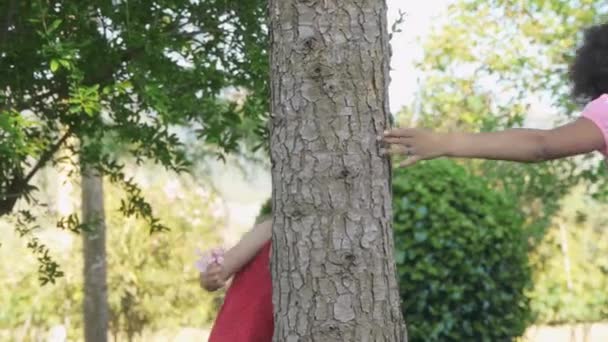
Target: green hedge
(461, 256)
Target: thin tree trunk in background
(564, 246)
(332, 258)
(94, 247)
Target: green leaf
(66, 64)
(54, 65)
(54, 25)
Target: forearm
(581, 136)
(520, 145)
(250, 244)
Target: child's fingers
(216, 280)
(396, 150)
(398, 133)
(211, 281)
(395, 140)
(213, 269)
(395, 132)
(214, 266)
(216, 274)
(410, 161)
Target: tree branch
(47, 155)
(16, 186)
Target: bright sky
(407, 47)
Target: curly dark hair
(589, 70)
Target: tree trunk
(94, 247)
(332, 261)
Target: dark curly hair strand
(589, 70)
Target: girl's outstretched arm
(520, 145)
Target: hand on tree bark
(414, 143)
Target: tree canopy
(80, 76)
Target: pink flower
(213, 256)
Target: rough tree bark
(332, 260)
(95, 304)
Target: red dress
(246, 315)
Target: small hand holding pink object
(210, 257)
